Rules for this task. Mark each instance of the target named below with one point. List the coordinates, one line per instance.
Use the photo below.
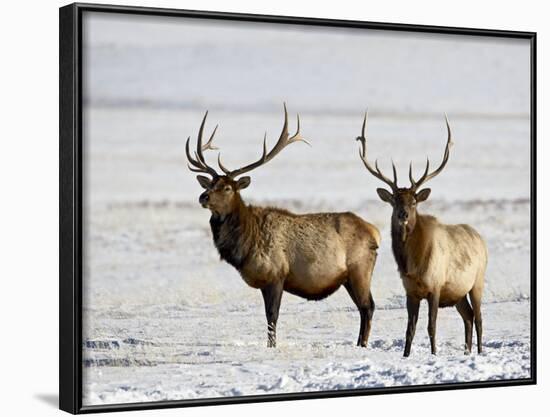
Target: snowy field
(165, 319)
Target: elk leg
(467, 315)
(348, 287)
(272, 300)
(475, 299)
(413, 305)
(433, 306)
(366, 319)
(359, 291)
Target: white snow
(203, 353)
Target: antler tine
(363, 155)
(297, 137)
(199, 167)
(198, 162)
(376, 172)
(426, 177)
(414, 184)
(283, 141)
(189, 158)
(364, 127)
(224, 169)
(283, 138)
(394, 173)
(208, 145)
(199, 154)
(362, 139)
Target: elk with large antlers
(438, 262)
(308, 255)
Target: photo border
(70, 205)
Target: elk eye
(227, 188)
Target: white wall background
(29, 204)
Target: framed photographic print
(259, 208)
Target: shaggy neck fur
(234, 233)
(413, 250)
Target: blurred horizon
(199, 64)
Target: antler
(363, 154)
(426, 177)
(284, 140)
(198, 162)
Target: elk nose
(203, 198)
(403, 215)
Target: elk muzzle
(203, 199)
(404, 225)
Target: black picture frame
(70, 204)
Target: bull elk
(438, 262)
(274, 250)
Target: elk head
(221, 194)
(403, 200)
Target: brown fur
(438, 262)
(308, 255)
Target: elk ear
(423, 195)
(243, 182)
(385, 195)
(205, 182)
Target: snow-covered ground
(165, 319)
(175, 352)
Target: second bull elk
(438, 262)
(274, 250)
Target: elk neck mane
(237, 234)
(416, 249)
